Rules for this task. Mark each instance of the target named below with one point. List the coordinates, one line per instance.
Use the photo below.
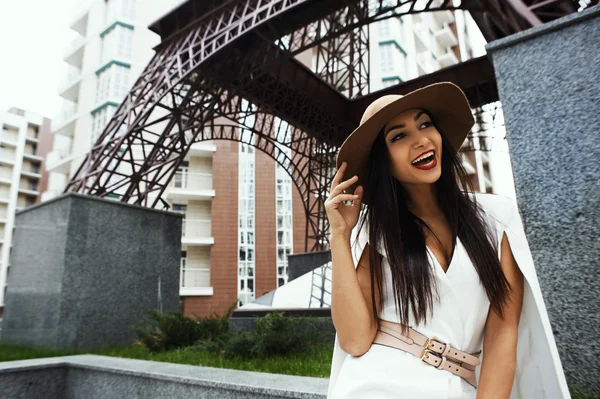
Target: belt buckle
(424, 353)
(429, 351)
(430, 340)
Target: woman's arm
(500, 338)
(351, 306)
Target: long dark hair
(403, 234)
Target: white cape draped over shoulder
(539, 372)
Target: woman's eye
(396, 136)
(426, 124)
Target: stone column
(84, 269)
(549, 86)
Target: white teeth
(423, 156)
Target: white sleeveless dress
(457, 318)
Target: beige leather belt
(431, 351)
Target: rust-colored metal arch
(214, 54)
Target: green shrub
(274, 334)
(240, 344)
(171, 330)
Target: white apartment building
(112, 47)
(406, 47)
(20, 177)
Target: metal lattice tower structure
(223, 63)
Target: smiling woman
(434, 284)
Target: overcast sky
(33, 36)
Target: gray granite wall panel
(91, 376)
(550, 92)
(36, 383)
(104, 266)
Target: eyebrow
(402, 125)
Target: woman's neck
(422, 200)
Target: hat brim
(444, 102)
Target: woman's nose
(422, 141)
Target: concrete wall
(91, 377)
(549, 88)
(85, 269)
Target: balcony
(443, 17)
(196, 232)
(69, 85)
(59, 161)
(79, 19)
(422, 39)
(191, 186)
(425, 63)
(32, 157)
(445, 37)
(64, 123)
(202, 149)
(32, 174)
(9, 138)
(447, 59)
(73, 54)
(29, 191)
(7, 158)
(195, 281)
(32, 138)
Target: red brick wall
(224, 255)
(224, 252)
(265, 243)
(43, 148)
(299, 220)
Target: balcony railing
(447, 59)
(195, 228)
(9, 136)
(67, 114)
(68, 87)
(445, 37)
(195, 277)
(73, 54)
(192, 180)
(443, 17)
(79, 16)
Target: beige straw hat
(444, 102)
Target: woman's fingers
(343, 197)
(342, 186)
(338, 176)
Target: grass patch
(314, 362)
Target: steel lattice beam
(221, 65)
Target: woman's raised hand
(343, 218)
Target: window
(117, 44)
(393, 60)
(119, 10)
(384, 28)
(284, 234)
(100, 119)
(390, 82)
(246, 224)
(386, 53)
(120, 84)
(113, 83)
